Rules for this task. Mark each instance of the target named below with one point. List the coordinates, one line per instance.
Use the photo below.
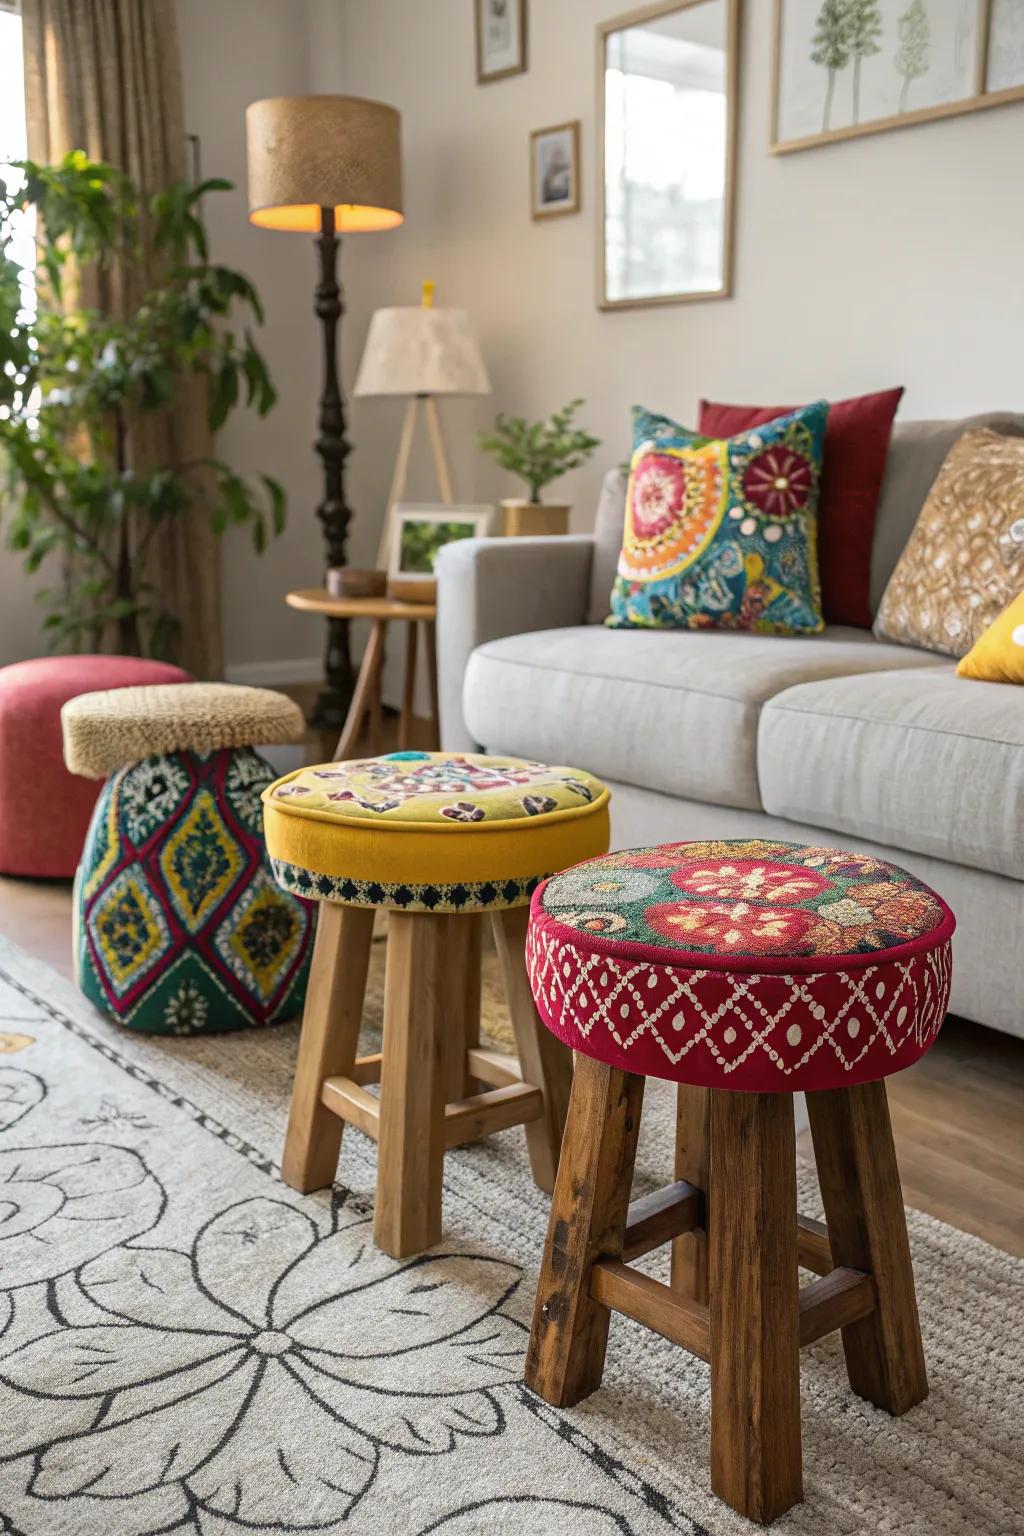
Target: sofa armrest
(487, 588)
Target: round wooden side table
(366, 697)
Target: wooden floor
(958, 1116)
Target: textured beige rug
(187, 1346)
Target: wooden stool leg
(867, 1228)
(754, 1304)
(327, 1047)
(693, 1138)
(407, 1215)
(462, 1004)
(588, 1220)
(543, 1059)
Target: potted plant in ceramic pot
(538, 452)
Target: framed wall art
(845, 68)
(555, 170)
(500, 39)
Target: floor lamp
(326, 165)
(419, 352)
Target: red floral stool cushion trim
(753, 965)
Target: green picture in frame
(422, 531)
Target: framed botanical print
(845, 68)
(500, 39)
(555, 170)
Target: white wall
(893, 259)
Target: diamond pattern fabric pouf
(755, 965)
(181, 928)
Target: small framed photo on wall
(500, 39)
(555, 170)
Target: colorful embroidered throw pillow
(964, 560)
(856, 450)
(998, 656)
(722, 533)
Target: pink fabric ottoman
(44, 810)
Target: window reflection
(666, 131)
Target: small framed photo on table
(500, 39)
(420, 533)
(555, 170)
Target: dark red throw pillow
(856, 447)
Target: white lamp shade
(419, 350)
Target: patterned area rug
(186, 1346)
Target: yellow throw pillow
(998, 655)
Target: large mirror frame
(637, 18)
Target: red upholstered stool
(44, 810)
(743, 971)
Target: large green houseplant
(83, 391)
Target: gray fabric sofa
(839, 739)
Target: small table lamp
(322, 165)
(421, 352)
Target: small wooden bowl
(348, 581)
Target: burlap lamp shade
(306, 153)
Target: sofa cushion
(965, 558)
(917, 759)
(611, 514)
(917, 451)
(671, 710)
(856, 447)
(722, 533)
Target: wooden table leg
(430, 636)
(461, 1003)
(407, 1214)
(363, 694)
(754, 1304)
(327, 1047)
(693, 1139)
(405, 724)
(867, 1229)
(565, 1360)
(544, 1060)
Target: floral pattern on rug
(246, 1378)
(182, 1135)
(745, 898)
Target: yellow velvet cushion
(997, 656)
(431, 831)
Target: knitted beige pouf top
(110, 730)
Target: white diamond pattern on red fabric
(845, 1026)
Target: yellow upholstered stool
(440, 840)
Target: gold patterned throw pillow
(964, 560)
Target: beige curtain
(105, 76)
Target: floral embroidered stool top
(431, 831)
(752, 965)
